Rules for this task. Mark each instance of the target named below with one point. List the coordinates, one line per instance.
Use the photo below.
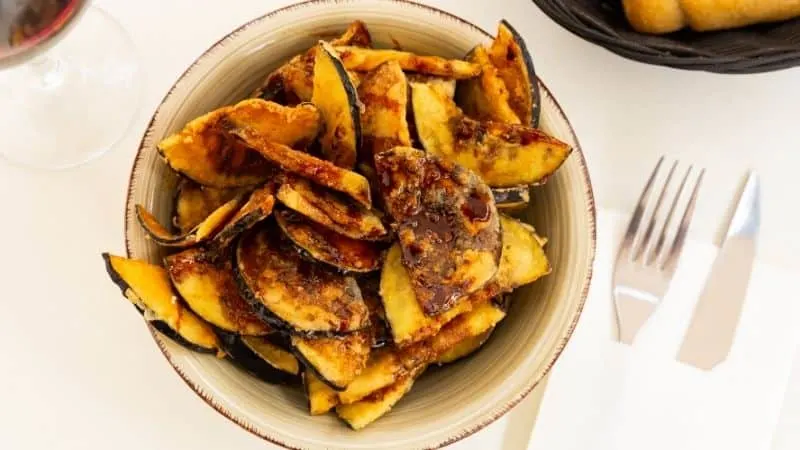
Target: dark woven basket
(753, 49)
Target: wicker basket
(759, 48)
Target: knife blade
(710, 334)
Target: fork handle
(632, 313)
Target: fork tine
(671, 260)
(655, 252)
(644, 242)
(638, 212)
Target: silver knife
(716, 316)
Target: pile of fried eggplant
(349, 224)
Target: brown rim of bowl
(590, 206)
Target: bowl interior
(446, 403)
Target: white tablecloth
(80, 372)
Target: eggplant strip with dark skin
(335, 360)
(210, 290)
(244, 357)
(293, 293)
(511, 198)
(503, 155)
(331, 210)
(148, 287)
(509, 55)
(200, 233)
(384, 125)
(274, 354)
(317, 170)
(257, 208)
(329, 247)
(194, 203)
(485, 97)
(337, 100)
(293, 82)
(205, 152)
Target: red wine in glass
(68, 82)
(30, 26)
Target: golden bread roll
(654, 16)
(666, 16)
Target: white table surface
(80, 372)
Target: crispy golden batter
(384, 94)
(208, 287)
(293, 82)
(318, 170)
(296, 293)
(485, 97)
(205, 152)
(366, 59)
(331, 210)
(322, 244)
(194, 203)
(509, 55)
(502, 154)
(336, 360)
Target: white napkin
(606, 395)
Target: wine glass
(69, 85)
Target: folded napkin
(607, 395)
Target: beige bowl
(445, 405)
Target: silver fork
(644, 265)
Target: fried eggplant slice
(383, 368)
(200, 233)
(147, 286)
(384, 125)
(242, 356)
(485, 97)
(322, 244)
(331, 210)
(208, 287)
(503, 155)
(369, 409)
(257, 208)
(205, 152)
(317, 170)
(366, 59)
(335, 360)
(275, 355)
(407, 322)
(194, 202)
(464, 348)
(321, 397)
(523, 259)
(509, 55)
(293, 82)
(389, 365)
(378, 329)
(444, 86)
(292, 293)
(447, 225)
(511, 198)
(337, 100)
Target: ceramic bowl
(446, 404)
